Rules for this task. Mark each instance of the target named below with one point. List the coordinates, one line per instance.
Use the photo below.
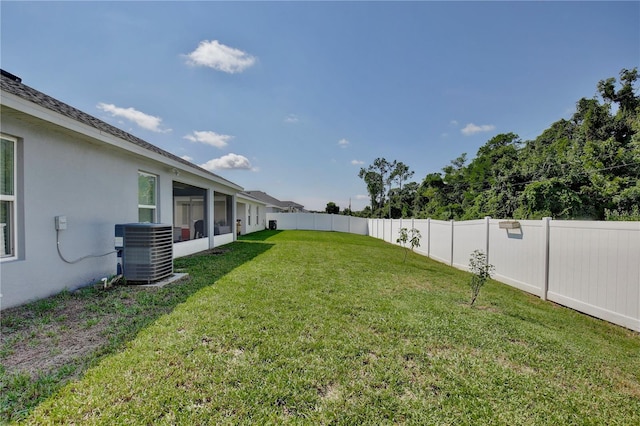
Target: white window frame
(249, 216)
(13, 213)
(153, 207)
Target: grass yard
(331, 328)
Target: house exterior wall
(241, 211)
(258, 215)
(95, 185)
(261, 223)
(61, 175)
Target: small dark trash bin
(273, 225)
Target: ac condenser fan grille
(147, 251)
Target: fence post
(487, 223)
(452, 226)
(429, 237)
(545, 238)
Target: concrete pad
(173, 278)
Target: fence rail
(320, 222)
(592, 267)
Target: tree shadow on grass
(76, 330)
(260, 235)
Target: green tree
(590, 162)
(377, 177)
(332, 208)
(493, 177)
(406, 200)
(626, 96)
(455, 186)
(548, 198)
(387, 173)
(400, 173)
(586, 167)
(430, 200)
(374, 186)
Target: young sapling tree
(412, 237)
(481, 271)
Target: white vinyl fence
(589, 266)
(320, 222)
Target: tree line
(586, 167)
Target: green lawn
(325, 327)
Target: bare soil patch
(39, 340)
(45, 335)
(66, 329)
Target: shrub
(623, 215)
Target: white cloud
(216, 55)
(343, 143)
(454, 123)
(471, 129)
(357, 162)
(229, 161)
(209, 138)
(291, 118)
(362, 197)
(143, 120)
(186, 157)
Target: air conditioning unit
(145, 251)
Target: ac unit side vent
(147, 251)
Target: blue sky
(293, 98)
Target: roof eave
(25, 106)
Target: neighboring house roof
(293, 205)
(245, 196)
(274, 202)
(13, 85)
(266, 198)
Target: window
(147, 200)
(257, 215)
(189, 212)
(249, 216)
(7, 197)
